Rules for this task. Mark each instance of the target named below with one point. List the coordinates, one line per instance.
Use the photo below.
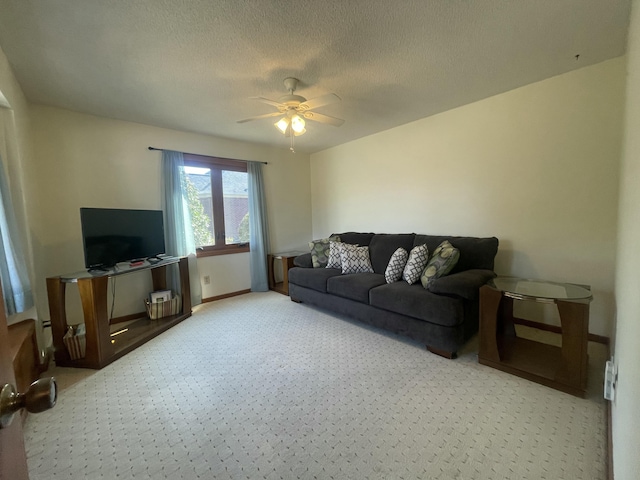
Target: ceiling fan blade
(319, 117)
(258, 117)
(319, 101)
(268, 102)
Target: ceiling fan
(295, 109)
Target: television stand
(102, 348)
(98, 270)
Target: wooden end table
(287, 262)
(563, 368)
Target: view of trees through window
(201, 223)
(235, 191)
(218, 205)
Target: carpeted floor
(258, 387)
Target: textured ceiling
(193, 64)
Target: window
(218, 199)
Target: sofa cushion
(414, 301)
(442, 261)
(320, 251)
(303, 260)
(418, 258)
(335, 251)
(314, 278)
(394, 270)
(355, 259)
(356, 238)
(382, 247)
(354, 287)
(475, 253)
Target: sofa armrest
(464, 284)
(303, 260)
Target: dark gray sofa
(443, 317)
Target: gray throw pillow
(335, 248)
(418, 258)
(355, 259)
(444, 258)
(394, 270)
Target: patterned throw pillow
(418, 258)
(355, 259)
(444, 258)
(398, 260)
(334, 254)
(320, 251)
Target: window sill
(226, 250)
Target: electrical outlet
(206, 279)
(610, 377)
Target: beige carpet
(259, 387)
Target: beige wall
(626, 407)
(88, 161)
(536, 167)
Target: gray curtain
(16, 287)
(177, 221)
(258, 230)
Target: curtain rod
(252, 161)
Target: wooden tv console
(103, 348)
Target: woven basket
(159, 310)
(75, 342)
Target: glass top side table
(539, 290)
(287, 262)
(563, 368)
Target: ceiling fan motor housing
(291, 100)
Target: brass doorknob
(42, 395)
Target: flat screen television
(111, 235)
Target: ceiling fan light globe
(282, 125)
(297, 124)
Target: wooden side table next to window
(287, 262)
